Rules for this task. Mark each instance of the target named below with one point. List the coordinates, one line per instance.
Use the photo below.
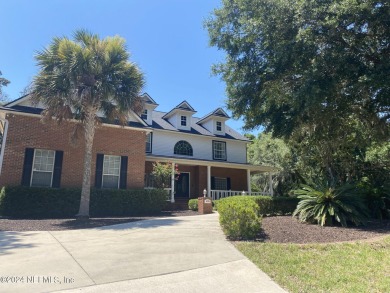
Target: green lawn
(338, 267)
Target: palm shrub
(327, 205)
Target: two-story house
(211, 156)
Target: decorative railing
(218, 194)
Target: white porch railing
(218, 194)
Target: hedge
(34, 202)
(278, 205)
(239, 217)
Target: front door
(182, 185)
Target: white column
(208, 181)
(248, 180)
(173, 183)
(271, 189)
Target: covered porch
(216, 179)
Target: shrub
(34, 202)
(377, 198)
(279, 205)
(239, 217)
(215, 204)
(193, 204)
(327, 205)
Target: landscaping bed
(71, 224)
(286, 229)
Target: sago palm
(326, 205)
(81, 77)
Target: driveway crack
(72, 257)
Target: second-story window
(144, 114)
(219, 150)
(148, 148)
(183, 148)
(219, 126)
(183, 121)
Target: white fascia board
(195, 162)
(202, 135)
(146, 129)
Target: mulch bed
(281, 229)
(286, 229)
(72, 224)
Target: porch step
(180, 204)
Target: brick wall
(29, 132)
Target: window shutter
(99, 170)
(57, 169)
(212, 182)
(27, 166)
(228, 184)
(123, 176)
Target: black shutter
(27, 166)
(123, 177)
(57, 169)
(212, 182)
(99, 170)
(228, 184)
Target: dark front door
(182, 185)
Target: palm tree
(79, 78)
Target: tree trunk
(89, 133)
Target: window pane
(183, 148)
(220, 183)
(42, 179)
(110, 181)
(111, 171)
(111, 165)
(183, 121)
(219, 150)
(43, 160)
(148, 143)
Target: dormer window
(183, 121)
(144, 114)
(219, 126)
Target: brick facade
(30, 132)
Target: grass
(337, 267)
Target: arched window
(183, 148)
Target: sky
(166, 39)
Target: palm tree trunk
(89, 133)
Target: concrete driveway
(178, 254)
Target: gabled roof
(216, 113)
(159, 123)
(183, 106)
(148, 99)
(17, 101)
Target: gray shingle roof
(160, 123)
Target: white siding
(211, 125)
(164, 142)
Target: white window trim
(149, 142)
(216, 126)
(119, 176)
(146, 113)
(215, 142)
(32, 167)
(183, 120)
